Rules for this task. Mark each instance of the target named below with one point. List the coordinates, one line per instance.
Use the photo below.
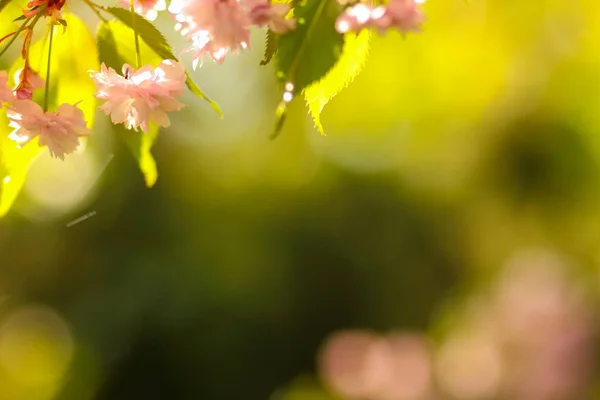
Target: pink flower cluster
(403, 15)
(138, 98)
(216, 26)
(531, 336)
(59, 131)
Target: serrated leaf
(270, 47)
(351, 62)
(196, 90)
(305, 54)
(114, 54)
(145, 29)
(69, 83)
(157, 42)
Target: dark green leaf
(62, 22)
(270, 47)
(157, 42)
(107, 47)
(19, 18)
(305, 54)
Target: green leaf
(157, 42)
(147, 31)
(114, 54)
(270, 47)
(69, 83)
(354, 55)
(107, 46)
(305, 54)
(140, 145)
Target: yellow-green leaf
(69, 83)
(14, 166)
(140, 145)
(351, 62)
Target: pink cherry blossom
(264, 13)
(141, 97)
(28, 81)
(5, 92)
(354, 18)
(403, 15)
(147, 8)
(59, 131)
(213, 26)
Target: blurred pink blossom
(213, 26)
(146, 8)
(358, 364)
(264, 13)
(141, 97)
(354, 18)
(403, 15)
(59, 131)
(530, 338)
(5, 92)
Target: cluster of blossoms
(215, 26)
(531, 337)
(138, 98)
(403, 15)
(59, 131)
(135, 99)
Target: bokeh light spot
(36, 346)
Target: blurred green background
(446, 231)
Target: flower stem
(47, 88)
(15, 35)
(137, 40)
